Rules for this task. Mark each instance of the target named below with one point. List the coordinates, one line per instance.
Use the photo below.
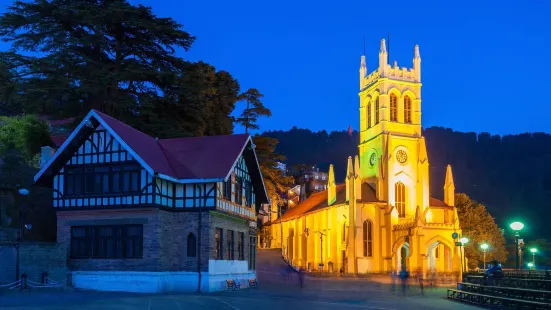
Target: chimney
(46, 153)
(331, 187)
(449, 188)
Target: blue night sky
(483, 62)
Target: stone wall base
(155, 282)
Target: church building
(382, 218)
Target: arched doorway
(402, 255)
(439, 257)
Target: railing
(25, 283)
(517, 273)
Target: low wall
(155, 282)
(34, 259)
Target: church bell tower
(392, 151)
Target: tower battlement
(386, 70)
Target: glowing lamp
(484, 246)
(533, 250)
(464, 240)
(516, 226)
(530, 265)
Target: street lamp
(484, 247)
(23, 192)
(464, 241)
(517, 226)
(531, 265)
(533, 251)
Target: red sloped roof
(203, 157)
(182, 158)
(144, 145)
(433, 202)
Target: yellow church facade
(382, 218)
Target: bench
(233, 285)
(253, 283)
(481, 299)
(510, 292)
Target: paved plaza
(318, 293)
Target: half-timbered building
(142, 214)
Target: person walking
(404, 278)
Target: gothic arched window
(369, 114)
(191, 245)
(368, 238)
(400, 198)
(407, 109)
(377, 110)
(393, 108)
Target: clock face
(372, 159)
(401, 156)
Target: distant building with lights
(382, 217)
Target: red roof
(433, 202)
(182, 158)
(144, 145)
(203, 157)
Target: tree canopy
(479, 226)
(68, 57)
(274, 178)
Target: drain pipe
(199, 248)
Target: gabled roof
(319, 201)
(181, 160)
(433, 202)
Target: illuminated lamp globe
(533, 250)
(530, 265)
(516, 226)
(464, 240)
(484, 246)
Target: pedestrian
(393, 280)
(403, 278)
(301, 277)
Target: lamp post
(531, 265)
(484, 247)
(321, 248)
(517, 226)
(464, 241)
(534, 251)
(22, 193)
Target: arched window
(369, 114)
(393, 108)
(407, 109)
(191, 245)
(377, 110)
(400, 198)
(368, 238)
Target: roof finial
(416, 53)
(383, 46)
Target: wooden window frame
(218, 243)
(89, 180)
(368, 238)
(393, 108)
(407, 109)
(93, 242)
